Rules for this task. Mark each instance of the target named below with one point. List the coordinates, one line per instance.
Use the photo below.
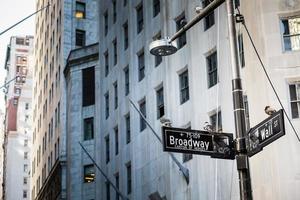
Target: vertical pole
(239, 111)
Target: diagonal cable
(268, 77)
(24, 19)
(105, 176)
(184, 170)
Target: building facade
(63, 26)
(18, 119)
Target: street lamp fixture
(162, 47)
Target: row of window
(89, 177)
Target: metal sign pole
(239, 111)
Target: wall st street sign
(265, 133)
(216, 145)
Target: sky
(12, 11)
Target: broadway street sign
(216, 145)
(265, 132)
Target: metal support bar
(208, 9)
(184, 170)
(105, 176)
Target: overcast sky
(12, 11)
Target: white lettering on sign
(189, 143)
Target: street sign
(216, 145)
(265, 133)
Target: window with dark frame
(125, 29)
(129, 180)
(141, 65)
(80, 10)
(212, 69)
(124, 2)
(216, 121)
(143, 111)
(116, 94)
(117, 178)
(160, 102)
(241, 50)
(116, 140)
(89, 173)
(139, 18)
(106, 96)
(156, 7)
(107, 157)
(127, 128)
(88, 86)
(107, 185)
(126, 74)
(114, 2)
(290, 29)
(24, 194)
(115, 51)
(106, 63)
(80, 38)
(294, 89)
(184, 87)
(105, 22)
(88, 128)
(180, 22)
(209, 20)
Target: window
(24, 193)
(117, 177)
(116, 141)
(25, 155)
(89, 173)
(114, 10)
(216, 121)
(209, 20)
(290, 28)
(88, 86)
(80, 38)
(107, 148)
(139, 18)
(25, 168)
(124, 2)
(26, 106)
(126, 73)
(115, 51)
(143, 111)
(141, 63)
(241, 50)
(105, 23)
(25, 143)
(107, 190)
(80, 10)
(295, 99)
(156, 7)
(184, 87)
(160, 102)
(127, 124)
(125, 29)
(180, 22)
(106, 96)
(212, 69)
(158, 59)
(116, 94)
(25, 180)
(88, 128)
(128, 169)
(106, 63)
